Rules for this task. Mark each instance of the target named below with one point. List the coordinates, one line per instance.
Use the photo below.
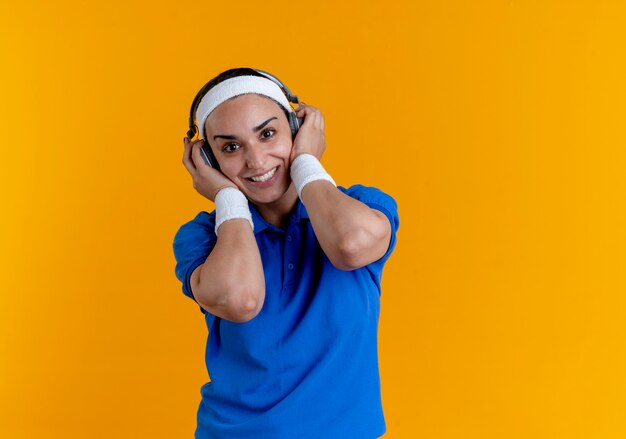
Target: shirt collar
(297, 214)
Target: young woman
(286, 270)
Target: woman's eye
(230, 147)
(266, 134)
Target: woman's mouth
(262, 178)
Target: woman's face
(251, 139)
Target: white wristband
(305, 169)
(231, 203)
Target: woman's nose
(255, 157)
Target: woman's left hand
(310, 138)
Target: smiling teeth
(265, 176)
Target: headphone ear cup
(294, 124)
(208, 156)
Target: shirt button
(289, 238)
(290, 266)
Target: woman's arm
(230, 283)
(351, 234)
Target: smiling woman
(286, 269)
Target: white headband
(236, 86)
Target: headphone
(209, 158)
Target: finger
(314, 116)
(319, 118)
(302, 112)
(302, 105)
(196, 156)
(195, 153)
(187, 160)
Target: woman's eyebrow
(260, 127)
(225, 136)
(255, 129)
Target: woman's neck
(277, 213)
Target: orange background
(498, 126)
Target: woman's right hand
(206, 179)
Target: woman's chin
(277, 195)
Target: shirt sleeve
(379, 200)
(192, 244)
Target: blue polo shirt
(306, 366)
